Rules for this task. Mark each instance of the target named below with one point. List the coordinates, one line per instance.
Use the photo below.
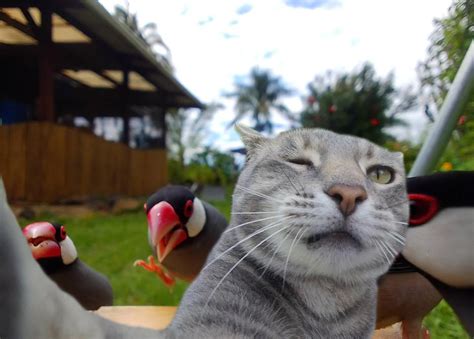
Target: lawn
(111, 243)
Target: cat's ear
(250, 137)
(399, 155)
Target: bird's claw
(152, 266)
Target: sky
(216, 43)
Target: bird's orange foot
(152, 266)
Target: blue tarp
(12, 112)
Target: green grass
(111, 243)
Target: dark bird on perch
(55, 252)
(182, 230)
(438, 259)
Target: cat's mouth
(339, 236)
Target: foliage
(187, 130)
(360, 104)
(147, 33)
(443, 324)
(460, 151)
(409, 151)
(208, 167)
(259, 97)
(223, 165)
(449, 43)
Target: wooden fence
(45, 162)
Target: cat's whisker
(397, 235)
(400, 241)
(389, 248)
(274, 253)
(257, 212)
(289, 254)
(258, 194)
(254, 221)
(240, 260)
(277, 223)
(400, 222)
(382, 250)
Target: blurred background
(102, 103)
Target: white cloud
(295, 43)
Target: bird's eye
(188, 208)
(422, 208)
(381, 174)
(63, 233)
(301, 161)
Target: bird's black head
(50, 245)
(432, 193)
(180, 197)
(175, 216)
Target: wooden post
(125, 108)
(45, 108)
(163, 127)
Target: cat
(317, 218)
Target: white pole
(453, 105)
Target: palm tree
(148, 34)
(259, 98)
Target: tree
(449, 43)
(360, 104)
(147, 33)
(259, 97)
(186, 131)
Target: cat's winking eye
(301, 161)
(381, 174)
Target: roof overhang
(92, 51)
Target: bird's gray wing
(94, 289)
(32, 306)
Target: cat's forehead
(323, 141)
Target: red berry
(374, 122)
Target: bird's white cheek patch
(68, 251)
(196, 223)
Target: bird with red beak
(438, 258)
(55, 252)
(182, 230)
(50, 245)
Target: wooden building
(67, 58)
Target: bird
(438, 258)
(182, 230)
(56, 253)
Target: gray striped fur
(330, 287)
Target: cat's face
(335, 204)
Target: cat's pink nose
(347, 197)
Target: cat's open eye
(381, 174)
(301, 161)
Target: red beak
(41, 240)
(165, 229)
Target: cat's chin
(336, 239)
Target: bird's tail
(33, 306)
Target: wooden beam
(46, 68)
(31, 22)
(18, 25)
(38, 3)
(125, 109)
